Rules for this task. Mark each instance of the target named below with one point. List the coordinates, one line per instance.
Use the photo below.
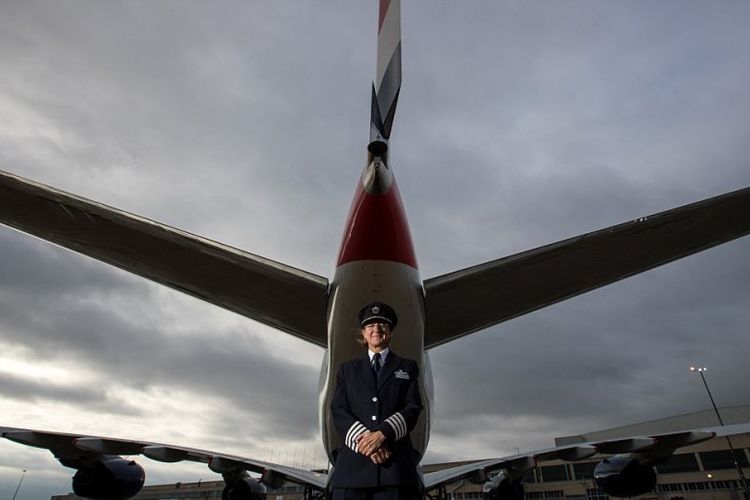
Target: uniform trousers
(379, 493)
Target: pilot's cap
(376, 312)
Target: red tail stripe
(377, 230)
(384, 4)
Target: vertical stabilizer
(387, 84)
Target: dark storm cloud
(57, 306)
(116, 338)
(93, 398)
(42, 269)
(608, 358)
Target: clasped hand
(370, 444)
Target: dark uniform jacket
(392, 406)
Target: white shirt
(383, 355)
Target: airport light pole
(23, 473)
(741, 474)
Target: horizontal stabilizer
(465, 301)
(270, 292)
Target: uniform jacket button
(374, 399)
(374, 417)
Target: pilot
(375, 406)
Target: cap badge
(375, 309)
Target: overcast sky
(520, 123)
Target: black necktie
(376, 364)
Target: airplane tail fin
(387, 84)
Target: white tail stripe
(388, 40)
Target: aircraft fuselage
(376, 263)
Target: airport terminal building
(702, 471)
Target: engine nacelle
(624, 476)
(242, 487)
(503, 487)
(109, 478)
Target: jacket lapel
(391, 363)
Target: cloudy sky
(520, 123)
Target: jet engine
(240, 486)
(624, 476)
(108, 478)
(504, 486)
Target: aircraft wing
(270, 292)
(471, 299)
(71, 448)
(652, 446)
